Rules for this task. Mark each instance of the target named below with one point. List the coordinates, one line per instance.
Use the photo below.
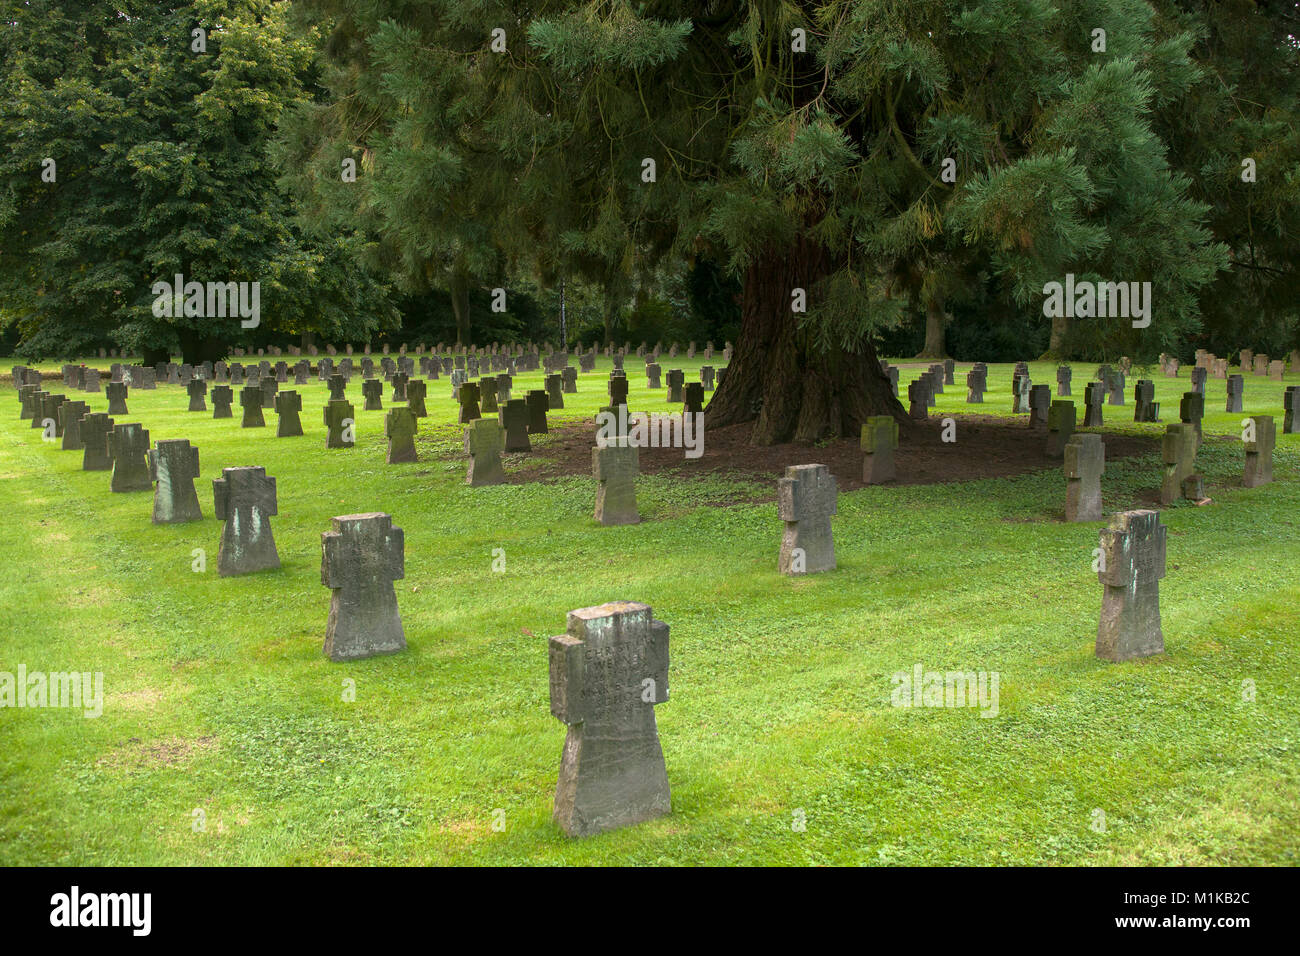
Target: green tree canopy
(159, 145)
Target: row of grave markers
(610, 668)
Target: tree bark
(1056, 344)
(197, 347)
(777, 381)
(934, 326)
(460, 304)
(608, 309)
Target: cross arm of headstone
(1117, 568)
(220, 497)
(568, 665)
(331, 559)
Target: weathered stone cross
(806, 500)
(1132, 564)
(607, 673)
(360, 560)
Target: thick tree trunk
(775, 379)
(460, 304)
(153, 356)
(934, 326)
(1056, 345)
(197, 348)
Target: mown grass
(217, 696)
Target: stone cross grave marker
(1115, 387)
(32, 407)
(483, 441)
(338, 386)
(1020, 386)
(197, 389)
(1085, 460)
(918, 397)
(360, 559)
(617, 388)
(1061, 419)
(554, 391)
(1178, 451)
(949, 370)
(372, 394)
(416, 392)
(487, 390)
(1094, 393)
(569, 379)
(399, 382)
(537, 408)
(1063, 375)
(468, 396)
(1199, 377)
(806, 500)
(400, 426)
(1259, 453)
(676, 379)
(128, 446)
(222, 397)
(1291, 409)
(27, 401)
(607, 673)
(615, 465)
(977, 383)
(693, 398)
(250, 400)
(116, 394)
(269, 388)
(1132, 564)
(1191, 410)
(935, 375)
(878, 440)
(1040, 400)
(1236, 387)
(48, 413)
(340, 420)
(288, 406)
(70, 415)
(1145, 406)
(95, 428)
(514, 420)
(244, 498)
(174, 465)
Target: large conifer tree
(803, 145)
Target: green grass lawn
(218, 698)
